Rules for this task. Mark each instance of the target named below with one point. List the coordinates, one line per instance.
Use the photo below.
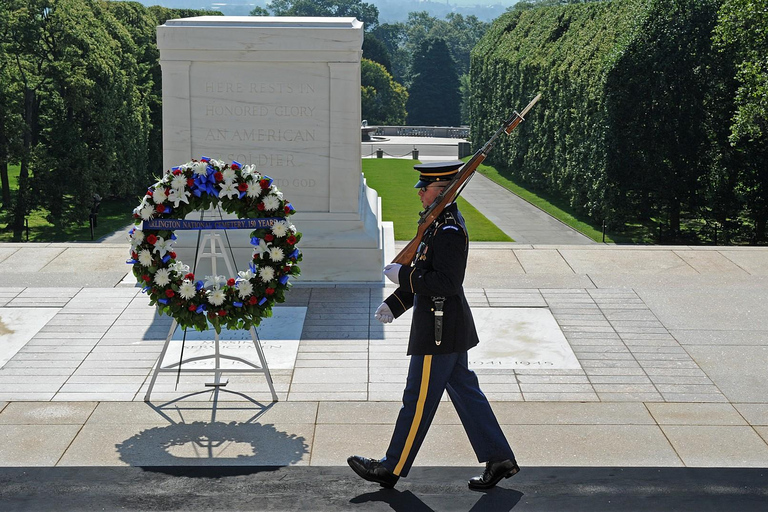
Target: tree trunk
(6, 183)
(760, 227)
(20, 208)
(674, 218)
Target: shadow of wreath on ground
(249, 446)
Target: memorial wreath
(237, 302)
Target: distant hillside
(389, 10)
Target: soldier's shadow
(494, 500)
(186, 447)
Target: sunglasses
(424, 189)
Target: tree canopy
(365, 12)
(434, 94)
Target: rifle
(457, 184)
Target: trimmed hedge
(610, 74)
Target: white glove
(392, 271)
(384, 314)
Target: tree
(743, 32)
(374, 50)
(383, 99)
(365, 12)
(434, 94)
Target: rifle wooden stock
(456, 185)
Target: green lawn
(394, 178)
(113, 215)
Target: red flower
(146, 278)
(135, 215)
(256, 256)
(222, 312)
(291, 240)
(269, 237)
(172, 254)
(286, 269)
(230, 282)
(260, 206)
(269, 291)
(177, 172)
(151, 239)
(287, 210)
(134, 255)
(190, 182)
(264, 184)
(192, 307)
(169, 293)
(242, 187)
(218, 176)
(189, 276)
(160, 208)
(149, 193)
(253, 301)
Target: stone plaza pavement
(671, 343)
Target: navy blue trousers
(428, 377)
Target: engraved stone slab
(279, 335)
(283, 94)
(520, 338)
(18, 326)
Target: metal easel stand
(213, 241)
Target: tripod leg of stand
(264, 366)
(160, 360)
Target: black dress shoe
(373, 471)
(494, 471)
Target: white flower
(162, 277)
(159, 195)
(178, 196)
(163, 246)
(216, 296)
(276, 254)
(214, 281)
(179, 267)
(266, 274)
(179, 182)
(261, 248)
(278, 194)
(293, 229)
(229, 189)
(145, 257)
(244, 289)
(280, 228)
(271, 203)
(146, 212)
(245, 275)
(136, 238)
(229, 174)
(200, 168)
(254, 189)
(187, 289)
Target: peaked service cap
(436, 171)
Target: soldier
(442, 331)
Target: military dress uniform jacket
(438, 271)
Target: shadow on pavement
(243, 447)
(495, 500)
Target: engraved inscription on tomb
(271, 115)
